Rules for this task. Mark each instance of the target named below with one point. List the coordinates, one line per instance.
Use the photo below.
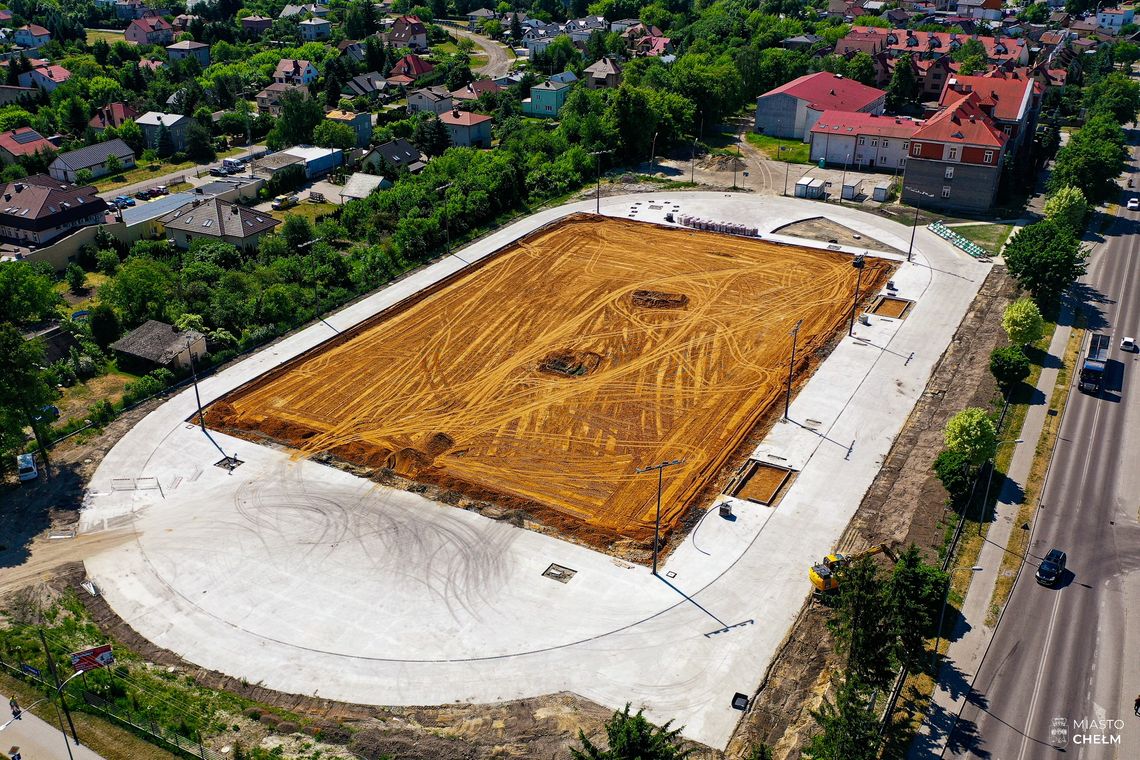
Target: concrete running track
(308, 580)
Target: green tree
(849, 728)
(1022, 322)
(492, 28)
(164, 144)
(23, 389)
(903, 87)
(430, 135)
(142, 290)
(105, 325)
(973, 434)
(1045, 258)
(516, 28)
(953, 470)
(1092, 160)
(915, 591)
(1009, 365)
(76, 278)
(331, 134)
(760, 752)
(107, 262)
(1068, 207)
(862, 623)
(299, 117)
(296, 232)
(632, 737)
(1116, 95)
(114, 165)
(83, 177)
(199, 144)
(26, 295)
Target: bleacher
(949, 235)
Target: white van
(231, 165)
(26, 467)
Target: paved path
(36, 739)
(499, 58)
(311, 581)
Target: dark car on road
(1051, 569)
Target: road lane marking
(1040, 673)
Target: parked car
(162, 190)
(1051, 569)
(26, 467)
(218, 171)
(1128, 344)
(144, 195)
(50, 413)
(1133, 204)
(122, 201)
(283, 202)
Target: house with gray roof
(157, 344)
(93, 158)
(216, 219)
(152, 123)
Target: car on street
(1133, 204)
(1051, 569)
(1128, 344)
(218, 171)
(160, 190)
(122, 201)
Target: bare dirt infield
(546, 376)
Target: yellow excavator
(827, 574)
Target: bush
(953, 471)
(334, 733)
(286, 727)
(107, 262)
(269, 719)
(147, 386)
(101, 412)
(1009, 366)
(252, 713)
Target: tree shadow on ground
(29, 507)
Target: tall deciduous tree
(972, 434)
(23, 390)
(903, 87)
(1045, 258)
(1022, 322)
(141, 290)
(1068, 206)
(1092, 160)
(26, 295)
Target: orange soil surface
(539, 378)
(762, 484)
(892, 308)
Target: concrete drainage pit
(559, 573)
(891, 307)
(229, 463)
(761, 482)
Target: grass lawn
(989, 236)
(794, 151)
(450, 48)
(141, 174)
(109, 37)
(78, 398)
(88, 298)
(308, 210)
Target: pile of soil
(722, 163)
(570, 363)
(655, 299)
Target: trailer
(1095, 361)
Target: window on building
(884, 143)
(945, 191)
(989, 157)
(874, 143)
(902, 162)
(1008, 129)
(917, 149)
(906, 146)
(953, 153)
(862, 140)
(949, 172)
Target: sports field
(545, 377)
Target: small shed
(882, 192)
(157, 344)
(361, 185)
(852, 189)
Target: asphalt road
(498, 57)
(1062, 670)
(35, 739)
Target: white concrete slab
(308, 580)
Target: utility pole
(652, 151)
(59, 690)
(858, 262)
(914, 224)
(597, 154)
(791, 368)
(194, 375)
(446, 229)
(660, 467)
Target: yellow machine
(826, 575)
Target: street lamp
(19, 710)
(597, 154)
(693, 157)
(660, 467)
(791, 367)
(989, 479)
(858, 262)
(59, 693)
(446, 229)
(194, 374)
(652, 151)
(942, 617)
(787, 166)
(914, 224)
(843, 181)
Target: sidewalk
(37, 739)
(971, 636)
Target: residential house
(188, 49)
(157, 344)
(435, 100)
(152, 123)
(861, 41)
(152, 30)
(536, 39)
(313, 29)
(411, 66)
(475, 90)
(955, 159)
(371, 85)
(605, 72)
(150, 64)
(467, 129)
(919, 44)
(182, 22)
(353, 50)
(38, 209)
(802, 42)
(47, 78)
(256, 26)
(295, 72)
(94, 158)
(361, 185)
(622, 24)
(580, 29)
(476, 17)
(863, 141)
(23, 142)
(394, 155)
(5, 16)
(215, 219)
(1059, 18)
(546, 99)
(361, 124)
(566, 77)
(31, 36)
(126, 10)
(988, 10)
(791, 110)
(269, 99)
(112, 115)
(1106, 18)
(314, 10)
(1012, 100)
(408, 32)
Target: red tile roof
(24, 141)
(152, 24)
(825, 91)
(411, 65)
(1003, 96)
(848, 123)
(112, 115)
(997, 48)
(474, 90)
(463, 118)
(37, 30)
(964, 123)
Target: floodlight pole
(446, 229)
(791, 368)
(597, 154)
(194, 375)
(787, 168)
(652, 152)
(660, 467)
(842, 182)
(59, 690)
(858, 262)
(914, 224)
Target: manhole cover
(229, 463)
(559, 573)
(739, 701)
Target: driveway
(498, 57)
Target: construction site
(568, 360)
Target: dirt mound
(362, 452)
(409, 462)
(570, 363)
(722, 163)
(439, 444)
(655, 299)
